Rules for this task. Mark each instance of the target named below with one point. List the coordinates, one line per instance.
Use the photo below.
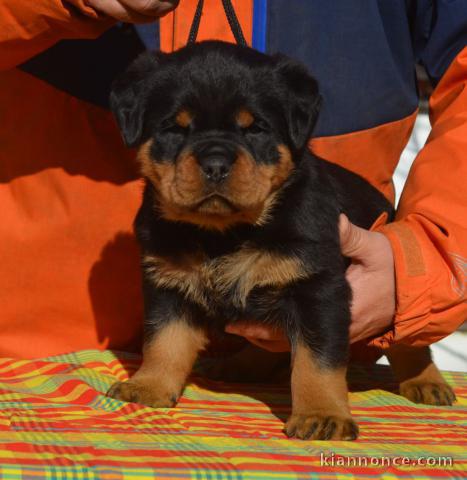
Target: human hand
(263, 336)
(133, 11)
(371, 277)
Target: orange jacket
(69, 191)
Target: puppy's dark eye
(180, 124)
(255, 128)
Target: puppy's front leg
(319, 340)
(320, 408)
(170, 350)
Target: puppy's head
(219, 129)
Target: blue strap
(259, 24)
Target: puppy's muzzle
(216, 162)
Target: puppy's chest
(224, 280)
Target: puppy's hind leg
(420, 379)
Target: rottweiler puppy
(239, 220)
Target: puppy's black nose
(216, 163)
(216, 168)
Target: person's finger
(356, 332)
(270, 345)
(255, 330)
(151, 8)
(114, 9)
(353, 239)
(263, 336)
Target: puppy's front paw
(429, 393)
(319, 426)
(145, 393)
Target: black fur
(213, 79)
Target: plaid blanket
(55, 423)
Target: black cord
(195, 23)
(233, 22)
(231, 17)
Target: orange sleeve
(29, 27)
(429, 236)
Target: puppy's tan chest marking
(227, 278)
(242, 271)
(188, 274)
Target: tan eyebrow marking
(244, 118)
(184, 118)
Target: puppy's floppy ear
(129, 95)
(302, 99)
